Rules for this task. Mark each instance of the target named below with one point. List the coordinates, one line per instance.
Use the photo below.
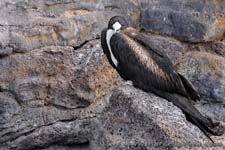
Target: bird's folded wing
(144, 65)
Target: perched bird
(149, 69)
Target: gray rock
(32, 24)
(173, 48)
(128, 8)
(8, 107)
(135, 120)
(50, 85)
(213, 110)
(56, 97)
(187, 20)
(4, 42)
(129, 119)
(219, 48)
(207, 73)
(216, 47)
(62, 133)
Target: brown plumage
(158, 67)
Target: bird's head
(117, 23)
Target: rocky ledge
(58, 92)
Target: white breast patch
(109, 34)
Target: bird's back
(144, 67)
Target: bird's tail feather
(205, 124)
(201, 126)
(189, 88)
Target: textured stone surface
(207, 73)
(130, 119)
(62, 133)
(55, 83)
(30, 24)
(136, 120)
(174, 49)
(58, 69)
(50, 25)
(188, 20)
(49, 85)
(219, 48)
(215, 47)
(213, 110)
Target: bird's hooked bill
(116, 26)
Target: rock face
(45, 86)
(29, 25)
(207, 73)
(170, 46)
(58, 91)
(188, 20)
(136, 120)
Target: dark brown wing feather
(183, 86)
(193, 94)
(157, 72)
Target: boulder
(207, 72)
(29, 25)
(173, 48)
(130, 119)
(213, 110)
(215, 47)
(48, 85)
(135, 120)
(219, 48)
(187, 20)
